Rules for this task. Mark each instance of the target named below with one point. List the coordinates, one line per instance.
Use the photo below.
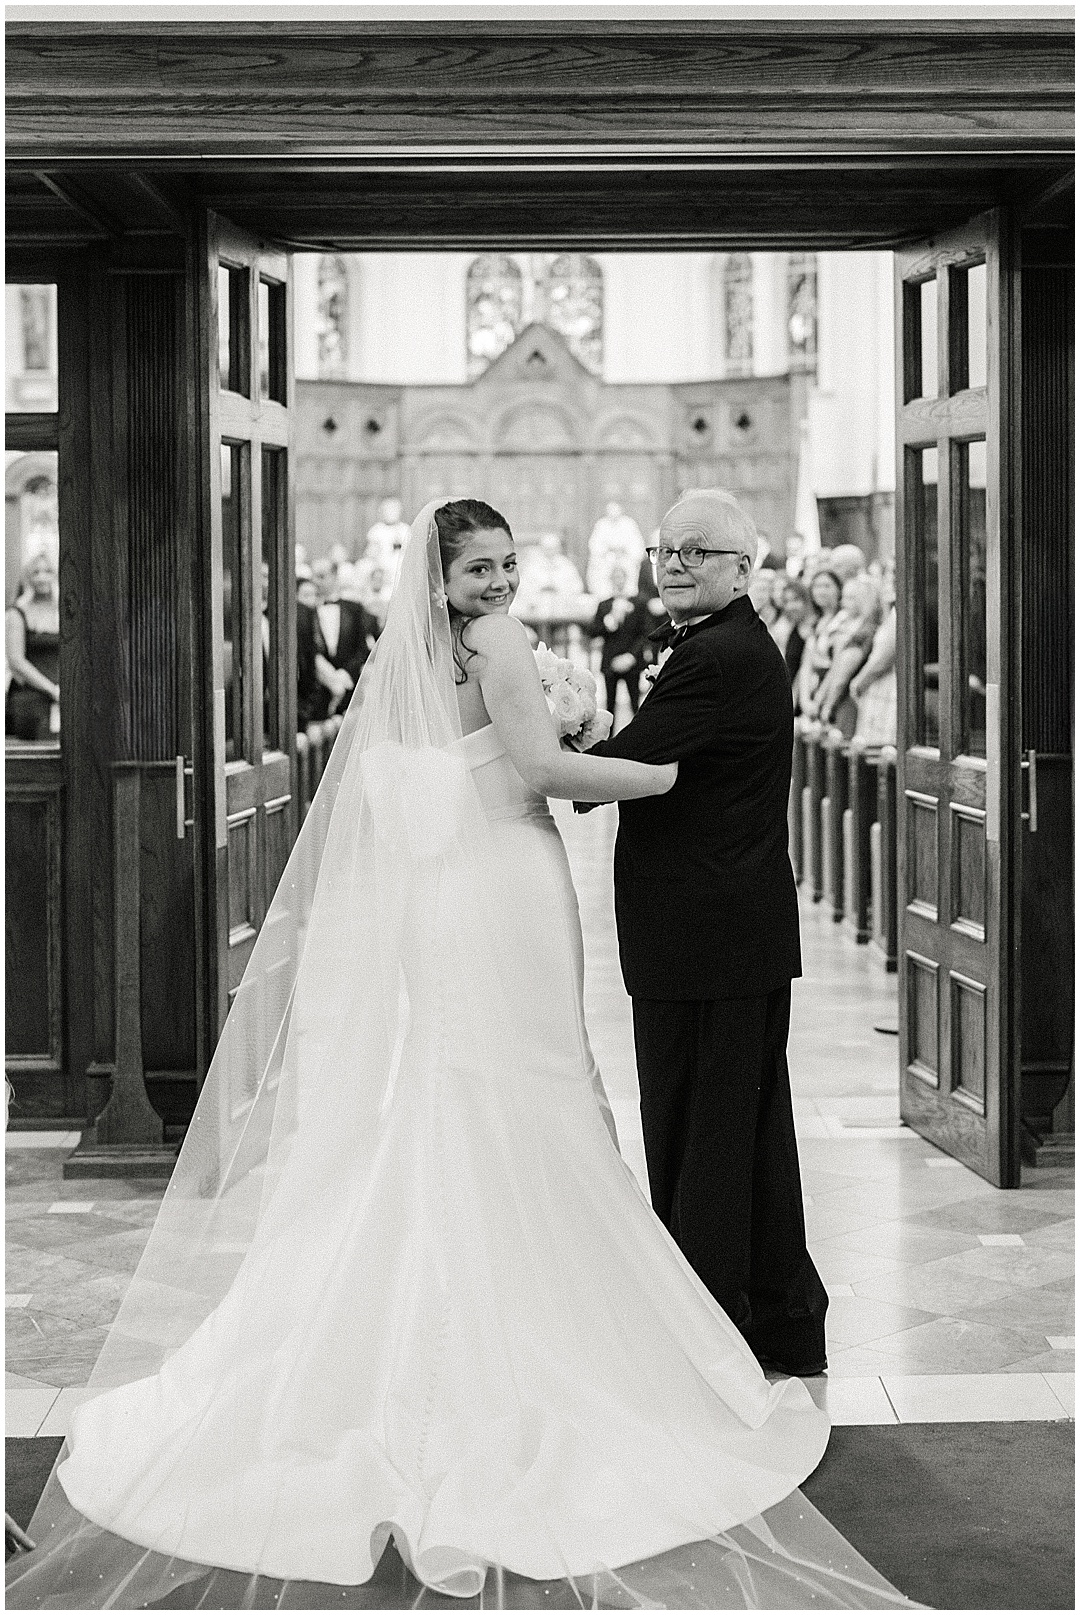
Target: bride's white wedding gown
(486, 1343)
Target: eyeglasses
(691, 555)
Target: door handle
(182, 768)
(1030, 765)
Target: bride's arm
(514, 697)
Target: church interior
(227, 394)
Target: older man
(708, 929)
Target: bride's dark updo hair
(456, 522)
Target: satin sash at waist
(518, 811)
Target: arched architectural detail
(574, 306)
(626, 433)
(536, 428)
(802, 307)
(493, 300)
(332, 318)
(444, 433)
(738, 314)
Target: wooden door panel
(955, 651)
(248, 293)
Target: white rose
(596, 729)
(546, 661)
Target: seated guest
(795, 623)
(32, 643)
(825, 590)
(623, 624)
(853, 630)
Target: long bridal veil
(295, 1104)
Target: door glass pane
(928, 366)
(234, 505)
(233, 329)
(32, 597)
(927, 728)
(30, 336)
(274, 515)
(272, 340)
(971, 648)
(976, 320)
(967, 320)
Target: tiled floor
(950, 1300)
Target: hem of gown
(473, 1560)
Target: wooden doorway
(958, 768)
(248, 680)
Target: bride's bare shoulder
(499, 636)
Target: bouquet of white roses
(571, 699)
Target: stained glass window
(494, 303)
(575, 306)
(802, 311)
(738, 314)
(332, 319)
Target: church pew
(883, 859)
(859, 822)
(833, 809)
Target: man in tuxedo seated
(345, 635)
(708, 927)
(623, 625)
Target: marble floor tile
(856, 1321)
(1000, 1239)
(1026, 1267)
(953, 1346)
(971, 1398)
(1056, 1235)
(1061, 1342)
(20, 1382)
(861, 1400)
(932, 1290)
(58, 1419)
(24, 1410)
(1045, 1309)
(15, 1301)
(1047, 1362)
(1064, 1388)
(908, 1243)
(998, 1213)
(835, 1263)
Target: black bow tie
(670, 634)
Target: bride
(402, 1286)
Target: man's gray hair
(737, 527)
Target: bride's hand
(666, 775)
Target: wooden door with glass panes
(958, 763)
(251, 604)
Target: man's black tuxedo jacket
(358, 626)
(705, 899)
(630, 637)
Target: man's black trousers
(724, 1167)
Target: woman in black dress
(32, 642)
